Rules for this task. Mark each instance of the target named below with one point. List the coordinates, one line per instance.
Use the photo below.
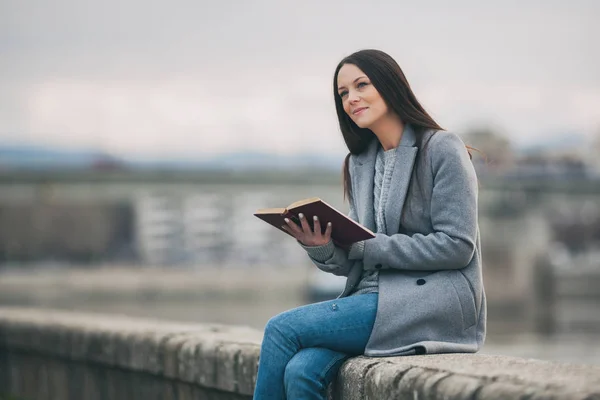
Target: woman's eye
(342, 94)
(361, 84)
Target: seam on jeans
(326, 370)
(333, 361)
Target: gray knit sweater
(383, 173)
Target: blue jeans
(303, 348)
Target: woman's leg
(342, 325)
(310, 371)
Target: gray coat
(431, 296)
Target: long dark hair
(387, 77)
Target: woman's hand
(305, 235)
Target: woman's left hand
(305, 235)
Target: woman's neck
(389, 132)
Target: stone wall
(66, 356)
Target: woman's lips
(359, 111)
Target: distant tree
(494, 150)
(592, 154)
(596, 141)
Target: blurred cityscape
(539, 220)
(163, 212)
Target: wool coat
(431, 295)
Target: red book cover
(345, 231)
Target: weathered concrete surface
(97, 349)
(466, 376)
(63, 355)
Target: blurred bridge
(204, 218)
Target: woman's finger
(328, 230)
(305, 225)
(295, 235)
(317, 225)
(295, 229)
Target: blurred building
(211, 225)
(205, 231)
(158, 229)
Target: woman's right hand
(305, 235)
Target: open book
(344, 231)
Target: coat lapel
(406, 154)
(362, 177)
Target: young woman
(416, 288)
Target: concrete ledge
(466, 376)
(65, 355)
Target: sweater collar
(408, 139)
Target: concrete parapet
(65, 355)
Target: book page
(303, 202)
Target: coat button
(420, 282)
(378, 266)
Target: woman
(416, 288)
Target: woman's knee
(275, 325)
(278, 330)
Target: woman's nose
(353, 97)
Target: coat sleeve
(452, 243)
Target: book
(345, 231)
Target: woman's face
(361, 101)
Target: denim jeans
(303, 348)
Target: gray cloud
(130, 65)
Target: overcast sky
(191, 77)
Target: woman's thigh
(342, 325)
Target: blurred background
(138, 137)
